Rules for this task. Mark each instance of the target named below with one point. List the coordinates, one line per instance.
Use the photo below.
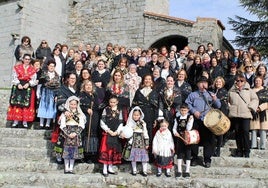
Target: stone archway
(178, 40)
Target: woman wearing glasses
(24, 48)
(249, 72)
(243, 102)
(43, 51)
(22, 98)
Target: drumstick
(182, 138)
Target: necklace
(114, 112)
(169, 99)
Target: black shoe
(178, 174)
(144, 174)
(89, 161)
(194, 162)
(168, 174)
(59, 161)
(134, 173)
(246, 155)
(238, 154)
(186, 175)
(207, 165)
(158, 174)
(254, 148)
(71, 172)
(216, 153)
(114, 173)
(105, 174)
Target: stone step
(220, 167)
(230, 151)
(24, 153)
(24, 133)
(58, 179)
(26, 143)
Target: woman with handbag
(242, 101)
(259, 123)
(22, 99)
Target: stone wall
(119, 22)
(159, 6)
(42, 19)
(4, 101)
(156, 29)
(206, 30)
(10, 22)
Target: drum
(217, 122)
(127, 131)
(191, 137)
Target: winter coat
(260, 121)
(241, 107)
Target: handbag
(126, 152)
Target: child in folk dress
(72, 127)
(182, 123)
(163, 148)
(110, 147)
(139, 142)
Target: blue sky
(220, 9)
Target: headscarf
(79, 111)
(130, 121)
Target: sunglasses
(239, 80)
(248, 66)
(44, 42)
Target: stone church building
(132, 23)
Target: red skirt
(107, 154)
(164, 162)
(22, 113)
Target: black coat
(169, 106)
(159, 84)
(103, 78)
(63, 93)
(88, 101)
(185, 90)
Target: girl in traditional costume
(163, 149)
(72, 127)
(139, 142)
(110, 147)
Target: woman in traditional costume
(22, 99)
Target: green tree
(252, 32)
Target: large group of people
(137, 103)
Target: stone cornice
(168, 18)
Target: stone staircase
(26, 161)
